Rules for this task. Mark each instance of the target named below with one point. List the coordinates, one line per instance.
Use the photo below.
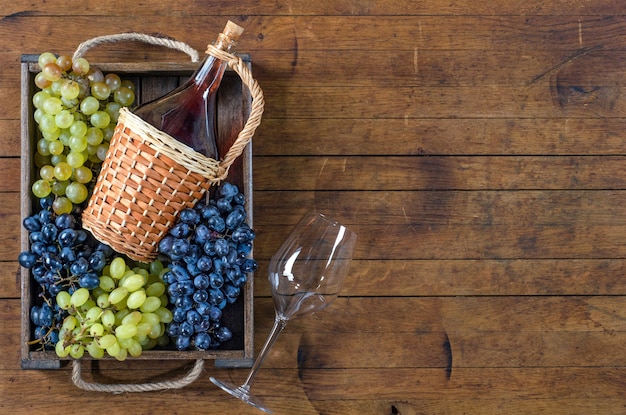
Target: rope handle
(141, 37)
(234, 62)
(189, 378)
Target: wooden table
(476, 146)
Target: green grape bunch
(76, 111)
(125, 315)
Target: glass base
(243, 393)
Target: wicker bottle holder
(148, 177)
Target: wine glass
(306, 275)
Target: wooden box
(152, 80)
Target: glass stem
(279, 325)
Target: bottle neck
(212, 67)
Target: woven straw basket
(148, 177)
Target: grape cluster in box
(207, 252)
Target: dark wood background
(476, 146)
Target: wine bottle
(188, 113)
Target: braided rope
(158, 41)
(189, 378)
(256, 111)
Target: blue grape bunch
(207, 252)
(62, 256)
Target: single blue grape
(67, 237)
(216, 280)
(32, 224)
(228, 190)
(200, 296)
(27, 259)
(34, 315)
(82, 236)
(189, 216)
(202, 341)
(90, 280)
(204, 263)
(235, 218)
(179, 315)
(216, 223)
(221, 247)
(46, 202)
(193, 316)
(209, 211)
(173, 328)
(67, 255)
(223, 334)
(186, 329)
(215, 313)
(201, 281)
(97, 260)
(180, 230)
(182, 342)
(216, 297)
(65, 221)
(80, 266)
(201, 234)
(223, 205)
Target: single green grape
(89, 105)
(64, 62)
(39, 98)
(62, 205)
(83, 174)
(80, 66)
(113, 81)
(77, 351)
(42, 147)
(41, 81)
(100, 90)
(79, 297)
(78, 128)
(70, 89)
(125, 331)
(62, 171)
(100, 119)
(76, 192)
(94, 136)
(64, 119)
(48, 123)
(117, 268)
(75, 159)
(45, 58)
(124, 96)
(41, 188)
(52, 105)
(137, 299)
(47, 173)
(56, 147)
(59, 187)
(51, 71)
(78, 143)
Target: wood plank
(350, 8)
(478, 32)
(390, 315)
(439, 173)
(394, 173)
(523, 406)
(476, 277)
(453, 277)
(586, 67)
(443, 225)
(430, 137)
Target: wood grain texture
(478, 149)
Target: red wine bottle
(188, 113)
